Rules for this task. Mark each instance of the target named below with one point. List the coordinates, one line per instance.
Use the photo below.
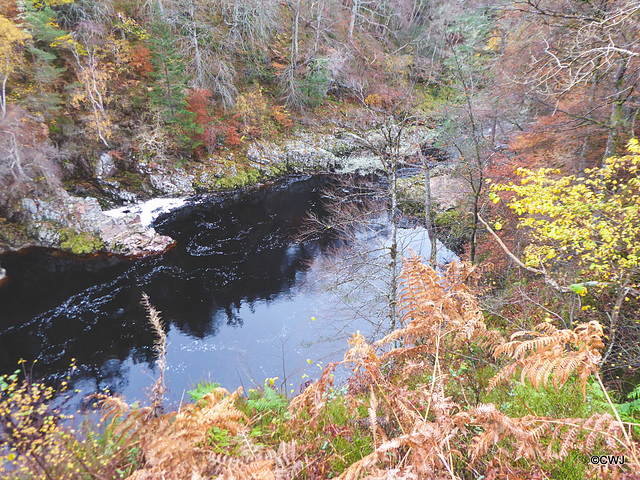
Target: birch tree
(12, 43)
(585, 48)
(584, 234)
(365, 213)
(93, 77)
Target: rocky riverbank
(338, 151)
(77, 223)
(80, 226)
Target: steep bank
(78, 223)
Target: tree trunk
(623, 290)
(196, 44)
(616, 111)
(296, 22)
(354, 11)
(3, 96)
(198, 59)
(581, 163)
(91, 86)
(428, 220)
(393, 287)
(474, 229)
(318, 24)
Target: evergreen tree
(170, 82)
(42, 24)
(170, 91)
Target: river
(241, 298)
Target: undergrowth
(442, 396)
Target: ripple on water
(229, 294)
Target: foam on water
(149, 210)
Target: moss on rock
(13, 235)
(79, 243)
(453, 228)
(227, 175)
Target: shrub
(38, 440)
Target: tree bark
(616, 111)
(296, 22)
(3, 97)
(354, 12)
(394, 245)
(318, 24)
(428, 220)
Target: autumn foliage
(140, 60)
(404, 404)
(199, 101)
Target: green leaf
(579, 288)
(201, 390)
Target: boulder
(105, 166)
(173, 183)
(139, 243)
(64, 218)
(118, 194)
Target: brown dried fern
(289, 461)
(174, 447)
(307, 406)
(256, 470)
(438, 306)
(441, 314)
(552, 353)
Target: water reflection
(234, 252)
(232, 294)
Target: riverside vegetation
(526, 371)
(435, 398)
(126, 100)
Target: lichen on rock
(80, 226)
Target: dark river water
(242, 301)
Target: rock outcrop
(340, 151)
(105, 166)
(79, 225)
(168, 181)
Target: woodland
(520, 361)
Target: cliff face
(37, 209)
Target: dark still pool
(242, 301)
